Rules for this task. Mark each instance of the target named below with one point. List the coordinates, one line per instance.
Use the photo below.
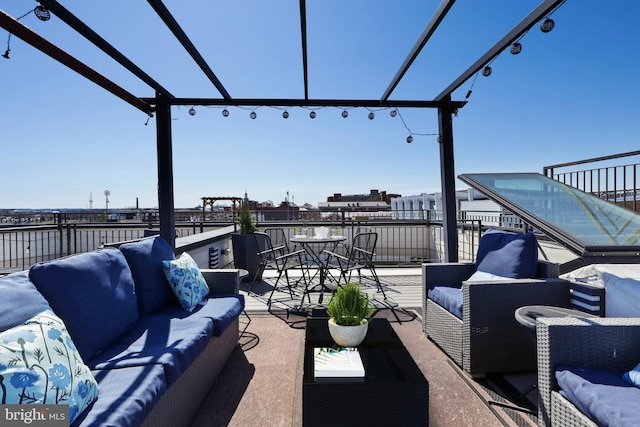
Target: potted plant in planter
(245, 249)
(349, 309)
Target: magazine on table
(338, 363)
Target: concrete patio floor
(455, 399)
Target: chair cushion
(186, 281)
(20, 300)
(145, 260)
(127, 396)
(448, 297)
(600, 394)
(93, 293)
(39, 363)
(508, 254)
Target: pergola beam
(303, 37)
(179, 34)
(19, 30)
(543, 9)
(83, 29)
(435, 21)
(281, 102)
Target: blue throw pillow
(20, 300)
(39, 364)
(93, 293)
(508, 254)
(145, 260)
(186, 281)
(633, 376)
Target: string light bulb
(393, 113)
(516, 48)
(192, 111)
(6, 53)
(253, 115)
(42, 13)
(547, 25)
(225, 113)
(409, 139)
(285, 114)
(371, 115)
(312, 114)
(486, 71)
(345, 114)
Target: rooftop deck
(265, 385)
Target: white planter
(348, 336)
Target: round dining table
(314, 247)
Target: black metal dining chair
(279, 258)
(358, 256)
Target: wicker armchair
(488, 338)
(606, 343)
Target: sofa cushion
(186, 281)
(173, 342)
(93, 293)
(20, 300)
(127, 395)
(448, 297)
(40, 364)
(223, 311)
(508, 254)
(145, 259)
(600, 394)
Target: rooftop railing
(400, 242)
(604, 177)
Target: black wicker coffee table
(394, 391)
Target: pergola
(161, 104)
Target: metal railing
(400, 242)
(611, 181)
(23, 246)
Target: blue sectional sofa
(133, 355)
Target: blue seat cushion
(145, 260)
(448, 297)
(225, 309)
(602, 395)
(173, 342)
(508, 254)
(20, 300)
(220, 310)
(127, 395)
(93, 293)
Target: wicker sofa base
(444, 329)
(180, 403)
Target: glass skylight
(581, 221)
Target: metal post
(448, 180)
(165, 170)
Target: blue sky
(570, 95)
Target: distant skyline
(569, 95)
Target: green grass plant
(349, 305)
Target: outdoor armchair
(602, 346)
(468, 308)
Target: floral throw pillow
(39, 364)
(186, 281)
